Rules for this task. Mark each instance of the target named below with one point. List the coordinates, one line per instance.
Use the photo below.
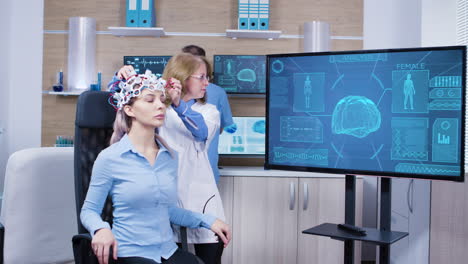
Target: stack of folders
(254, 14)
(140, 13)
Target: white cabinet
(449, 216)
(411, 213)
(265, 220)
(270, 213)
(226, 190)
(325, 203)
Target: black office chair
(93, 129)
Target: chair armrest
(82, 250)
(79, 237)
(183, 238)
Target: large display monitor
(396, 112)
(249, 138)
(240, 74)
(155, 64)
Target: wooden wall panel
(108, 13)
(181, 16)
(58, 117)
(345, 17)
(213, 16)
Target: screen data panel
(388, 112)
(249, 138)
(240, 74)
(155, 64)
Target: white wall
(21, 48)
(5, 22)
(392, 24)
(439, 22)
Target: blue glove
(231, 129)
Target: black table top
(373, 235)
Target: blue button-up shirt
(144, 198)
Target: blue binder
(264, 14)
(146, 16)
(253, 14)
(243, 14)
(131, 15)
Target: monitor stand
(383, 237)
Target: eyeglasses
(201, 77)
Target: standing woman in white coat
(190, 125)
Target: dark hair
(194, 50)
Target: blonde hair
(122, 124)
(181, 66)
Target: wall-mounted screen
(240, 74)
(398, 112)
(155, 64)
(249, 138)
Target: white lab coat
(196, 182)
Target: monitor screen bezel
(240, 94)
(242, 155)
(459, 178)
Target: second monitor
(249, 138)
(155, 64)
(240, 74)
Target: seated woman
(139, 172)
(190, 126)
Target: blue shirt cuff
(103, 224)
(181, 108)
(207, 221)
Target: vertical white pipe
(316, 36)
(81, 52)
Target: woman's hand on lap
(102, 241)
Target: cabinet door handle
(292, 195)
(409, 194)
(306, 197)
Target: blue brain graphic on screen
(356, 116)
(246, 75)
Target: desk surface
(261, 172)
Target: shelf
(374, 236)
(65, 93)
(137, 31)
(261, 34)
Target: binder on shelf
(131, 15)
(253, 14)
(243, 14)
(264, 14)
(146, 15)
